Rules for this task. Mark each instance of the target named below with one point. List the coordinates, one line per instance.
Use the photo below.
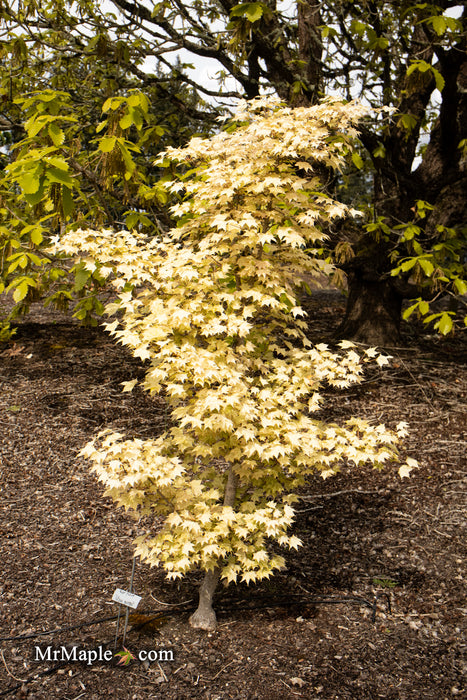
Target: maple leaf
(126, 657)
(406, 468)
(129, 386)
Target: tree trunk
(204, 617)
(373, 312)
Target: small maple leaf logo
(126, 657)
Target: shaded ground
(368, 538)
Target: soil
(372, 606)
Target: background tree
(213, 307)
(79, 140)
(408, 57)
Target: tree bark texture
(373, 312)
(204, 617)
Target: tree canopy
(409, 176)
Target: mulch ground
(372, 606)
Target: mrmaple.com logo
(70, 654)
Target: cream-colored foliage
(212, 306)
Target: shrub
(213, 309)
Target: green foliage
(49, 185)
(434, 266)
(384, 582)
(80, 130)
(212, 306)
(399, 57)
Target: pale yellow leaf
(129, 386)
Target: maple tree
(212, 307)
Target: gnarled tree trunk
(373, 312)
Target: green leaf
(35, 259)
(408, 264)
(423, 207)
(424, 67)
(407, 122)
(30, 180)
(328, 31)
(56, 134)
(439, 24)
(36, 236)
(81, 314)
(461, 286)
(58, 162)
(357, 160)
(409, 311)
(426, 266)
(440, 82)
(127, 159)
(127, 121)
(51, 95)
(107, 104)
(59, 176)
(81, 278)
(20, 291)
(253, 11)
(35, 125)
(385, 582)
(358, 27)
(410, 232)
(297, 87)
(132, 219)
(380, 151)
(444, 325)
(424, 307)
(144, 102)
(107, 144)
(36, 197)
(382, 43)
(134, 100)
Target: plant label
(126, 598)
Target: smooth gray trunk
(204, 617)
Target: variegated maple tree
(212, 307)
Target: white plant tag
(126, 598)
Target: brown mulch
(373, 544)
